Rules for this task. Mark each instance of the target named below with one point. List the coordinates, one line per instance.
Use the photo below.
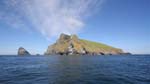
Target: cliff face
(72, 45)
(22, 51)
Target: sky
(35, 24)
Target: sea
(125, 69)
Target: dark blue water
(75, 70)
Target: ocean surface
(75, 69)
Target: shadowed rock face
(22, 51)
(72, 45)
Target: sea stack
(22, 52)
(72, 45)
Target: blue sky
(123, 24)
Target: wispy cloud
(49, 17)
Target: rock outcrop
(72, 45)
(22, 51)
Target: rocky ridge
(72, 45)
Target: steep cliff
(72, 45)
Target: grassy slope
(95, 47)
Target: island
(23, 52)
(72, 45)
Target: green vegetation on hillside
(95, 46)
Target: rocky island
(72, 45)
(22, 52)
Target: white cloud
(49, 17)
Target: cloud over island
(49, 17)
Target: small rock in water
(22, 51)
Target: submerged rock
(22, 51)
(72, 45)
